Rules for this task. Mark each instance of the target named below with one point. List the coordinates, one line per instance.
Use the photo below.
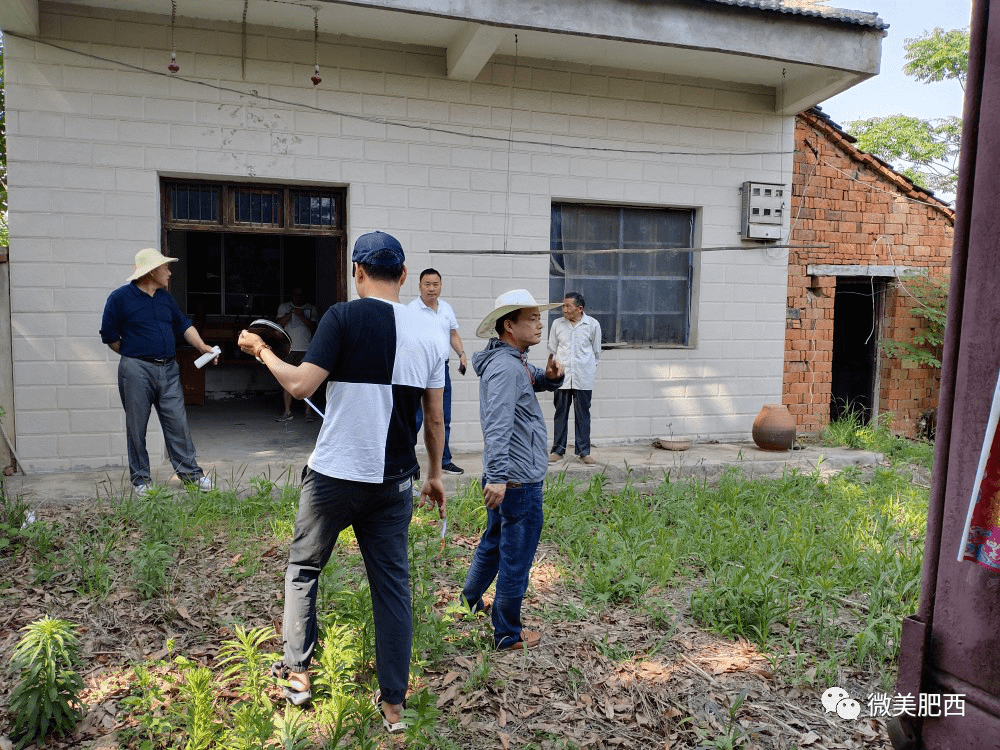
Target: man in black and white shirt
(382, 360)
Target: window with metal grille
(314, 209)
(257, 206)
(253, 207)
(194, 203)
(244, 246)
(626, 263)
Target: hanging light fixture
(173, 67)
(243, 35)
(315, 76)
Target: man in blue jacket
(515, 457)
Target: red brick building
(872, 230)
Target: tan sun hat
(146, 260)
(507, 302)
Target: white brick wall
(88, 139)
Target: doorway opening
(243, 248)
(857, 327)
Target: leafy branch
(925, 151)
(930, 295)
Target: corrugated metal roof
(812, 8)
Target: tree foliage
(939, 56)
(925, 151)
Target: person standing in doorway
(380, 359)
(575, 340)
(298, 318)
(141, 323)
(431, 305)
(514, 463)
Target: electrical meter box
(764, 207)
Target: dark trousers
(581, 420)
(380, 515)
(446, 408)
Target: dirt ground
(633, 677)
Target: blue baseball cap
(378, 249)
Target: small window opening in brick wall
(815, 288)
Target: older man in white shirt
(575, 340)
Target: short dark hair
(512, 315)
(428, 272)
(576, 297)
(381, 273)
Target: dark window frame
(229, 219)
(328, 222)
(614, 279)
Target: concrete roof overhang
(804, 59)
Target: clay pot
(774, 428)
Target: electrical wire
(395, 122)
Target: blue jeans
(581, 420)
(380, 515)
(446, 407)
(142, 386)
(506, 553)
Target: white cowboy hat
(507, 302)
(146, 260)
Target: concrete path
(237, 441)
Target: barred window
(314, 209)
(248, 207)
(244, 246)
(195, 203)
(257, 207)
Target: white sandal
(390, 727)
(296, 692)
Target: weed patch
(653, 606)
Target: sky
(892, 92)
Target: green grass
(852, 432)
(773, 559)
(818, 572)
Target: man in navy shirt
(379, 360)
(142, 323)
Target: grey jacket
(515, 441)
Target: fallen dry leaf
(447, 696)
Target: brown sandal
(528, 639)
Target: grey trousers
(142, 387)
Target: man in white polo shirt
(431, 304)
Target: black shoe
(452, 469)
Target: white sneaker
(204, 483)
(141, 490)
